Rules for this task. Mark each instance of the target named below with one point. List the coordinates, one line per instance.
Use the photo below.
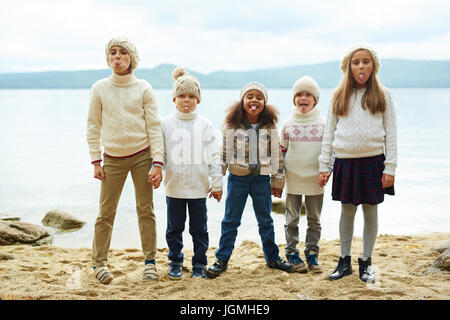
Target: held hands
(155, 177)
(215, 194)
(276, 192)
(323, 178)
(387, 181)
(98, 172)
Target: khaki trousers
(116, 171)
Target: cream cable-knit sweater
(301, 142)
(361, 134)
(123, 118)
(192, 155)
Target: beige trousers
(116, 171)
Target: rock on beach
(62, 220)
(13, 232)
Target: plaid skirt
(358, 181)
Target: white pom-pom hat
(127, 45)
(185, 83)
(360, 46)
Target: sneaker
(217, 268)
(103, 275)
(344, 268)
(175, 270)
(311, 259)
(199, 271)
(150, 272)
(366, 272)
(297, 263)
(280, 265)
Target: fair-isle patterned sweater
(301, 142)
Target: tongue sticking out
(361, 76)
(253, 108)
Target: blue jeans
(176, 218)
(238, 190)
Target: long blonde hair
(373, 99)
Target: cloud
(217, 35)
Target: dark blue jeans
(238, 190)
(176, 218)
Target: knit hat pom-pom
(178, 72)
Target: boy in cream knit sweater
(123, 118)
(301, 141)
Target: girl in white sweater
(361, 131)
(123, 118)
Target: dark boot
(217, 268)
(175, 272)
(366, 272)
(344, 268)
(280, 265)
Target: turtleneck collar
(306, 117)
(125, 80)
(185, 116)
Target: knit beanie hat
(254, 86)
(360, 46)
(185, 83)
(127, 45)
(307, 84)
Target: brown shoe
(313, 265)
(297, 263)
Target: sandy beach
(402, 265)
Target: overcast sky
(206, 36)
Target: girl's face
(361, 67)
(119, 60)
(186, 102)
(253, 104)
(304, 101)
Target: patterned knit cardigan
(253, 151)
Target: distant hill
(393, 73)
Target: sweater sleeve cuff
(96, 162)
(158, 164)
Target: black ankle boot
(217, 268)
(344, 268)
(366, 272)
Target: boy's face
(304, 101)
(186, 102)
(119, 60)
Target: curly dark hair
(235, 115)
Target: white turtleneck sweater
(123, 118)
(301, 141)
(191, 156)
(361, 134)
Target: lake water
(45, 165)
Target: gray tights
(370, 228)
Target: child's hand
(387, 181)
(98, 172)
(216, 195)
(155, 177)
(277, 192)
(323, 178)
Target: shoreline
(402, 265)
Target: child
(252, 153)
(192, 157)
(361, 130)
(123, 118)
(301, 142)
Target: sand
(402, 265)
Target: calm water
(45, 164)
